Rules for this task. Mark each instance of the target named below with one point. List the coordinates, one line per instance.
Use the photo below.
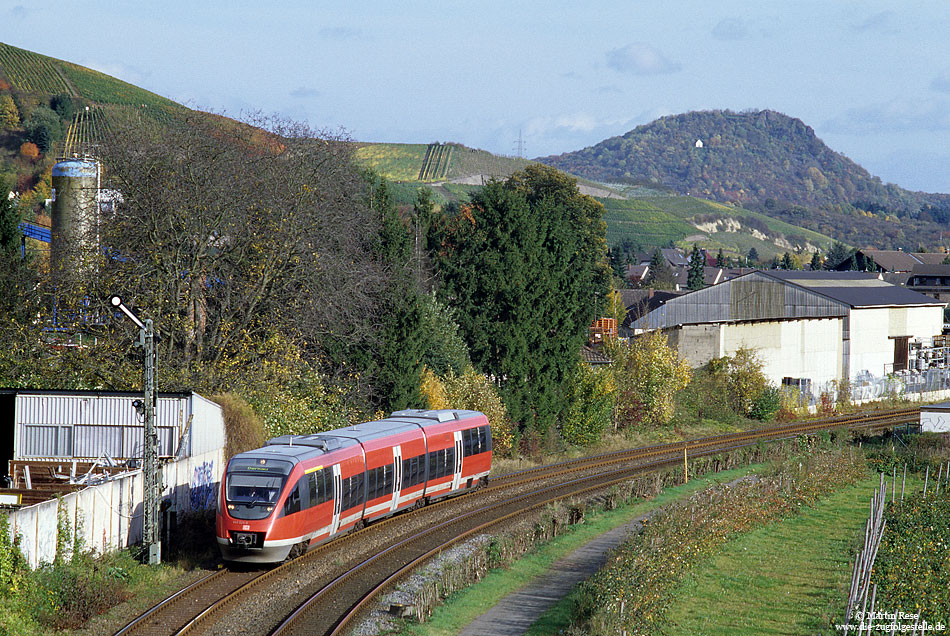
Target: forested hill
(749, 157)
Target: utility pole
(150, 474)
(520, 146)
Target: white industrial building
(813, 329)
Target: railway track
(340, 580)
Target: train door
(337, 499)
(457, 476)
(397, 476)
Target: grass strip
(462, 608)
(784, 578)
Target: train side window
(292, 504)
(466, 442)
(318, 491)
(449, 461)
(388, 477)
(372, 479)
(484, 438)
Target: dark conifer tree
(697, 263)
(397, 363)
(524, 264)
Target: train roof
(398, 422)
(290, 453)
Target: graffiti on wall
(202, 487)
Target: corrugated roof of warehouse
(857, 289)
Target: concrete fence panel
(108, 516)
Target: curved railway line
(341, 577)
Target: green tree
(697, 263)
(787, 262)
(446, 349)
(524, 264)
(403, 338)
(660, 275)
(9, 115)
(10, 233)
(43, 128)
(720, 259)
(592, 406)
(753, 257)
(64, 105)
(816, 261)
(838, 253)
(648, 373)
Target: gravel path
(515, 613)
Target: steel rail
(511, 480)
(705, 447)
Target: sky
(871, 78)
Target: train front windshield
(252, 489)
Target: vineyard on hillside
(32, 73)
(436, 162)
(85, 133)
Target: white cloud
(941, 83)
(897, 115)
(881, 23)
(640, 59)
(302, 92)
(730, 29)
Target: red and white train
(300, 490)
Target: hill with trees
(770, 162)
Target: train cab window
(252, 496)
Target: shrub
(767, 404)
(592, 406)
(244, 429)
(648, 373)
(746, 380)
(13, 567)
(472, 390)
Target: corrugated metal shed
(781, 295)
(90, 424)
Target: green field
(465, 606)
(657, 220)
(784, 578)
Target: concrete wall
(873, 332)
(808, 348)
(110, 515)
(697, 344)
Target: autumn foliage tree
(648, 373)
(251, 244)
(28, 150)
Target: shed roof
(782, 295)
(856, 289)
